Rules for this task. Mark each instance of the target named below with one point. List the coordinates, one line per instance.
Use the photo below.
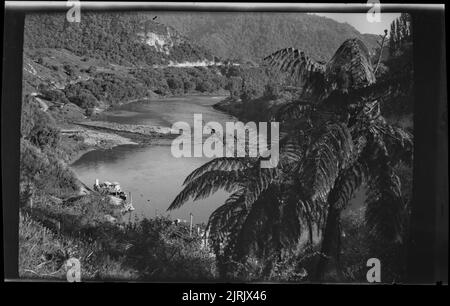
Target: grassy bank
(58, 221)
(153, 250)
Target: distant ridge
(251, 36)
(140, 38)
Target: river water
(150, 172)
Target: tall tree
(329, 146)
(392, 39)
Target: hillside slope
(251, 36)
(125, 39)
(109, 59)
(137, 39)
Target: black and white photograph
(237, 146)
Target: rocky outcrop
(159, 36)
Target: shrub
(188, 86)
(45, 172)
(38, 243)
(165, 251)
(84, 100)
(272, 91)
(53, 95)
(70, 70)
(234, 86)
(205, 86)
(175, 84)
(91, 69)
(253, 84)
(89, 112)
(37, 126)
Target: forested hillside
(251, 36)
(126, 39)
(111, 58)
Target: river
(150, 172)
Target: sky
(359, 21)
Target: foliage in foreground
(334, 141)
(152, 249)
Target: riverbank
(88, 227)
(133, 130)
(149, 170)
(84, 136)
(93, 140)
(99, 134)
(81, 137)
(230, 106)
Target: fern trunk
(330, 242)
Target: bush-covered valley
(73, 72)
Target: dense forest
(106, 59)
(251, 36)
(109, 36)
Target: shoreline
(94, 140)
(107, 135)
(101, 135)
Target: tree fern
(329, 146)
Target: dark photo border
(427, 252)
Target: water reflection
(150, 172)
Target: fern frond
(226, 216)
(399, 142)
(208, 183)
(293, 111)
(346, 184)
(259, 233)
(384, 205)
(309, 73)
(221, 163)
(329, 153)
